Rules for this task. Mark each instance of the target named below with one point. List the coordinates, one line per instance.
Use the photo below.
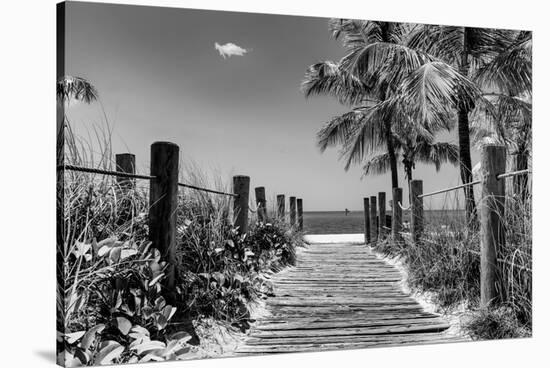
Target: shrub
(498, 323)
(447, 263)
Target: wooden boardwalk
(341, 296)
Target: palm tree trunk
(465, 158)
(391, 153)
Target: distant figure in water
(347, 211)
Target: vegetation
(406, 83)
(447, 264)
(111, 304)
(393, 88)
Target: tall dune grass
(110, 293)
(447, 264)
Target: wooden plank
(340, 296)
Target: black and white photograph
(267, 184)
(234, 184)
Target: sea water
(337, 222)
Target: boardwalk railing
(491, 215)
(163, 198)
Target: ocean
(337, 222)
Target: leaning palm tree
(386, 83)
(466, 48)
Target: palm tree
(387, 84)
(78, 88)
(70, 88)
(466, 48)
(412, 149)
(507, 78)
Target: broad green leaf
(180, 335)
(114, 255)
(123, 325)
(74, 336)
(109, 352)
(103, 251)
(151, 357)
(125, 253)
(162, 321)
(160, 302)
(149, 346)
(90, 335)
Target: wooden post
(381, 213)
(241, 187)
(125, 163)
(281, 207)
(299, 204)
(373, 222)
(292, 211)
(493, 163)
(163, 204)
(417, 211)
(261, 204)
(367, 219)
(397, 214)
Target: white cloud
(230, 49)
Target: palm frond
(328, 78)
(438, 153)
(388, 61)
(510, 70)
(78, 88)
(379, 164)
(431, 91)
(366, 136)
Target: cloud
(230, 49)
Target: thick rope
(135, 176)
(513, 173)
(104, 172)
(403, 208)
(207, 190)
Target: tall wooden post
(163, 204)
(281, 207)
(417, 211)
(261, 204)
(493, 163)
(381, 213)
(373, 222)
(299, 204)
(241, 187)
(292, 211)
(366, 214)
(397, 214)
(125, 163)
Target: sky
(225, 87)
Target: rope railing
(135, 176)
(207, 190)
(407, 236)
(104, 172)
(404, 208)
(449, 189)
(489, 218)
(514, 173)
(475, 182)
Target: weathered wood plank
(340, 296)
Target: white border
(27, 205)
